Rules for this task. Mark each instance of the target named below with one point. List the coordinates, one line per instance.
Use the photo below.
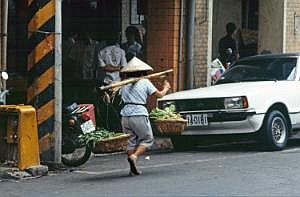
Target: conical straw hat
(135, 65)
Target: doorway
(245, 14)
(102, 20)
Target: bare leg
(130, 152)
(140, 150)
(133, 156)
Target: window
(250, 14)
(260, 70)
(138, 10)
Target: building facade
(165, 27)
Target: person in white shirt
(111, 59)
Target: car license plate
(88, 127)
(197, 119)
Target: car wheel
(275, 131)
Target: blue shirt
(136, 93)
(134, 49)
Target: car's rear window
(260, 70)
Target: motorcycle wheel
(78, 157)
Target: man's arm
(106, 67)
(164, 91)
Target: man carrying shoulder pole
(135, 120)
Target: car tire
(275, 131)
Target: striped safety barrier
(40, 66)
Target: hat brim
(136, 65)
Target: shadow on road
(121, 175)
(104, 177)
(231, 146)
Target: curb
(31, 172)
(162, 143)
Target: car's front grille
(199, 104)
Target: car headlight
(239, 102)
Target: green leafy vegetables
(98, 134)
(166, 113)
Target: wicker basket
(110, 145)
(170, 126)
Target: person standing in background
(133, 46)
(82, 67)
(228, 46)
(111, 59)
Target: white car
(259, 94)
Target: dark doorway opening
(248, 36)
(102, 20)
(17, 51)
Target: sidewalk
(8, 172)
(106, 164)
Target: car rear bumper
(228, 123)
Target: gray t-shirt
(136, 93)
(114, 56)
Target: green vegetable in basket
(98, 134)
(166, 113)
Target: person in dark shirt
(133, 46)
(226, 43)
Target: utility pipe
(58, 81)
(4, 34)
(180, 45)
(1, 18)
(4, 12)
(209, 41)
(190, 36)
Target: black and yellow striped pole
(43, 70)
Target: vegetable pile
(166, 113)
(98, 134)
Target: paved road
(238, 169)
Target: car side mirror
(4, 75)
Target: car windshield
(260, 70)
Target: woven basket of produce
(170, 126)
(112, 144)
(167, 122)
(105, 141)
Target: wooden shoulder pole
(132, 80)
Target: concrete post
(44, 70)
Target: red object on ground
(90, 113)
(85, 117)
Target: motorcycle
(3, 92)
(75, 123)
